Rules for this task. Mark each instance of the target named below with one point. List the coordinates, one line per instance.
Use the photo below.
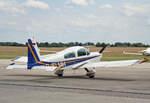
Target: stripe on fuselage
(66, 63)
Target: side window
(69, 55)
(81, 52)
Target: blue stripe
(67, 64)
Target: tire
(91, 76)
(60, 75)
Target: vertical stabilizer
(33, 54)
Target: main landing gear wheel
(59, 73)
(92, 76)
(90, 73)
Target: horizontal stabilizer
(24, 59)
(24, 67)
(20, 59)
(19, 67)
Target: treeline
(11, 44)
(60, 44)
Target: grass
(11, 52)
(115, 53)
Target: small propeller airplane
(72, 58)
(145, 52)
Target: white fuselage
(90, 57)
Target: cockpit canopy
(83, 52)
(76, 52)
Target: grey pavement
(111, 85)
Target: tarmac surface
(111, 85)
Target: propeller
(101, 51)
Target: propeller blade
(101, 51)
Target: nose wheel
(90, 73)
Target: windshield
(83, 52)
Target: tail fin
(33, 54)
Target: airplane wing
(124, 52)
(114, 63)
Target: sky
(75, 20)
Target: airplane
(145, 52)
(72, 58)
